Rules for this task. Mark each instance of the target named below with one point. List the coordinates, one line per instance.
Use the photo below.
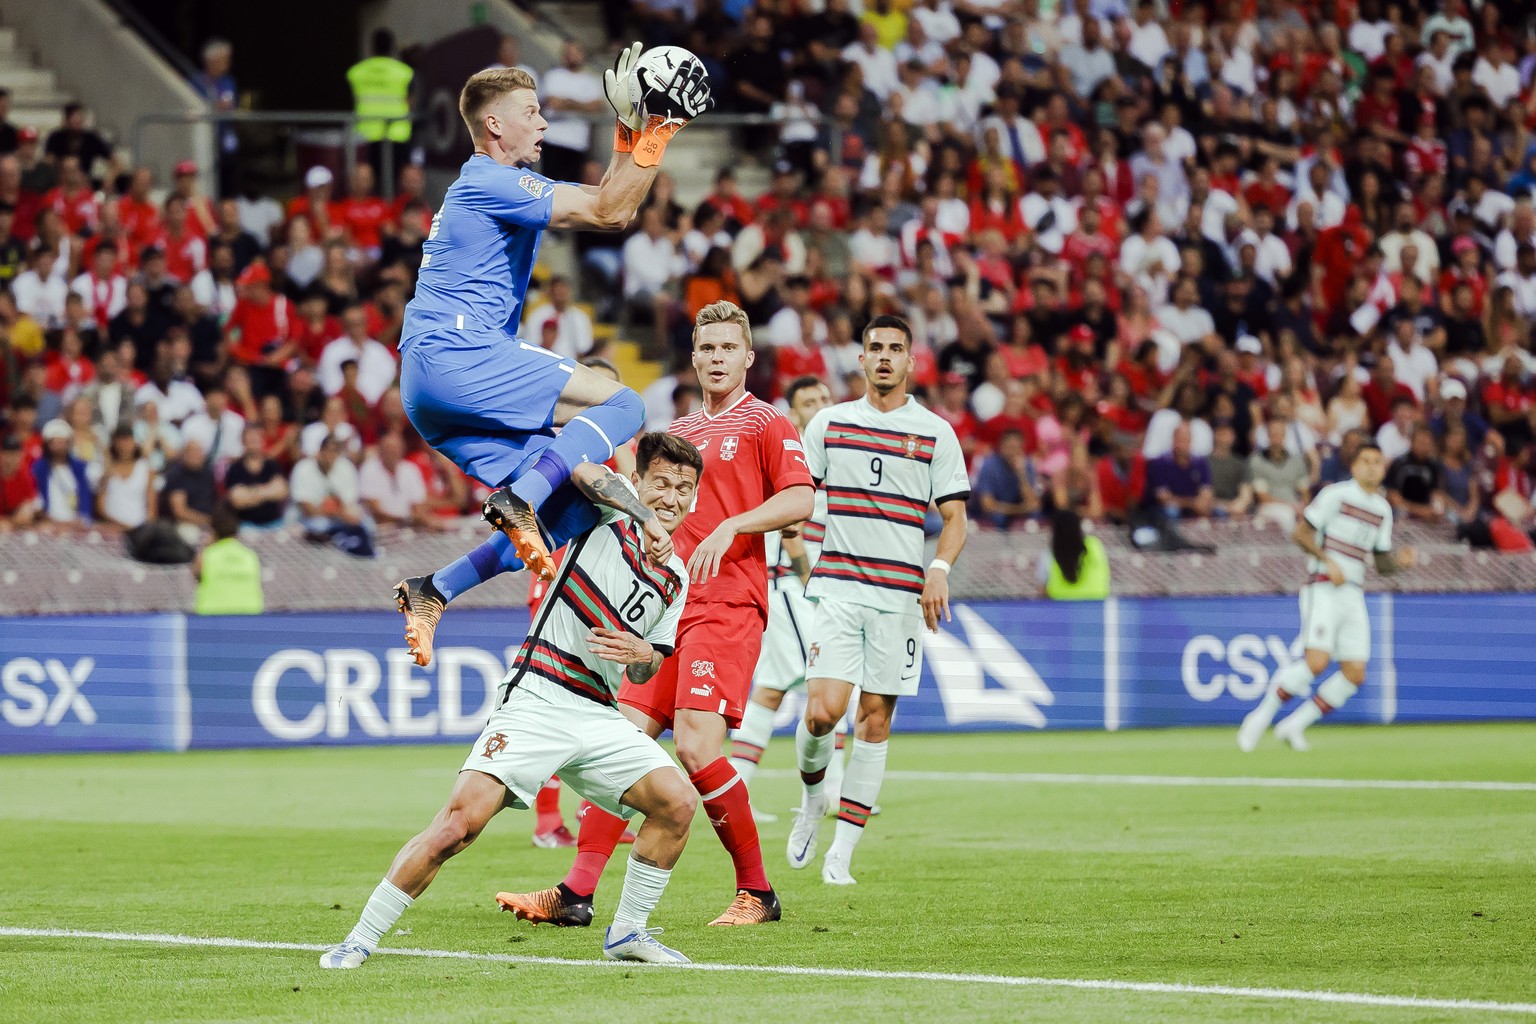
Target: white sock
(1334, 692)
(861, 786)
(1295, 680)
(1302, 717)
(643, 886)
(813, 754)
(839, 763)
(749, 741)
(384, 908)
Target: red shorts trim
(711, 669)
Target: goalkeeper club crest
(728, 448)
(494, 745)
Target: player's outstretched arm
(612, 206)
(935, 599)
(789, 507)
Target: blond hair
(486, 87)
(724, 312)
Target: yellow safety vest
(1092, 576)
(231, 581)
(381, 88)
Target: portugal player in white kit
(1346, 522)
(781, 666)
(608, 610)
(882, 459)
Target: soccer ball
(658, 65)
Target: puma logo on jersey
(701, 445)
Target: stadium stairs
(36, 98)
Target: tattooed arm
(603, 487)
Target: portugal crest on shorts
(494, 745)
(815, 652)
(728, 449)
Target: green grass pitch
(1425, 893)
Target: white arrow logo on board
(962, 667)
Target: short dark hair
(887, 320)
(225, 522)
(1368, 445)
(799, 384)
(669, 448)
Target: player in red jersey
(755, 481)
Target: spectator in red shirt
(186, 249)
(953, 408)
(1018, 415)
(1339, 251)
(1122, 477)
(728, 200)
(1378, 111)
(73, 199)
(68, 371)
(1383, 392)
(363, 214)
(316, 328)
(200, 218)
(18, 488)
(261, 330)
(1268, 191)
(410, 189)
(1509, 402)
(315, 204)
(137, 212)
(783, 194)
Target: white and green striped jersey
(604, 581)
(1351, 525)
(880, 471)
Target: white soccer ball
(658, 65)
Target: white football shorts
(1333, 619)
(878, 651)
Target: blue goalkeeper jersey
(477, 260)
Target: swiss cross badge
(494, 745)
(728, 448)
(911, 445)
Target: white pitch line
(1088, 984)
(1260, 782)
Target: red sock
(595, 840)
(725, 801)
(547, 806)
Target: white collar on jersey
(706, 414)
(884, 412)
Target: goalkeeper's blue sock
(589, 437)
(491, 558)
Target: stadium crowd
(1159, 264)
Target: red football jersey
(364, 218)
(751, 452)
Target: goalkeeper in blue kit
(488, 400)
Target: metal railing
(345, 120)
